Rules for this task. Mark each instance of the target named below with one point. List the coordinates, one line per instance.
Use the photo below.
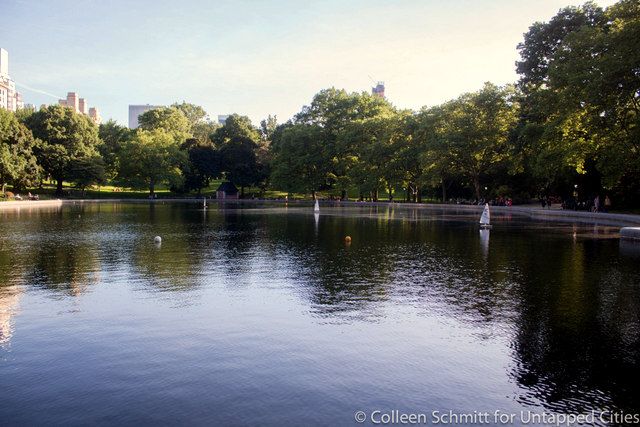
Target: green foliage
(113, 137)
(268, 127)
(581, 102)
(200, 127)
(88, 171)
(171, 120)
(18, 165)
(203, 165)
(67, 138)
(573, 116)
(476, 131)
(150, 158)
(333, 111)
(239, 161)
(193, 113)
(298, 164)
(235, 126)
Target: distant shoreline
(595, 218)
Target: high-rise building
(10, 99)
(94, 114)
(83, 107)
(72, 101)
(4, 62)
(136, 110)
(80, 105)
(378, 90)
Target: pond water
(262, 315)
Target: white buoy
(157, 239)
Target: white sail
(316, 208)
(485, 218)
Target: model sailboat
(485, 218)
(316, 208)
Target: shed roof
(228, 187)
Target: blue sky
(261, 57)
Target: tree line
(568, 126)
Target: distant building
(80, 105)
(10, 99)
(136, 110)
(94, 114)
(19, 102)
(378, 90)
(72, 101)
(4, 62)
(222, 118)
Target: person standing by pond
(607, 203)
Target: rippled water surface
(261, 315)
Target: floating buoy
(347, 239)
(157, 239)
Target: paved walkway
(532, 211)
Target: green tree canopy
(171, 120)
(477, 131)
(151, 158)
(298, 164)
(235, 126)
(203, 164)
(113, 137)
(18, 165)
(67, 138)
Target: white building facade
(10, 98)
(136, 110)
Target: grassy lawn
(117, 192)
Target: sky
(261, 57)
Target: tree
(580, 107)
(203, 165)
(298, 164)
(372, 144)
(267, 127)
(437, 156)
(543, 40)
(194, 113)
(243, 153)
(477, 131)
(235, 126)
(332, 110)
(88, 171)
(113, 137)
(239, 161)
(151, 158)
(18, 165)
(171, 120)
(201, 128)
(67, 138)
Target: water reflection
(630, 248)
(565, 302)
(484, 241)
(9, 300)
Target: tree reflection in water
(570, 306)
